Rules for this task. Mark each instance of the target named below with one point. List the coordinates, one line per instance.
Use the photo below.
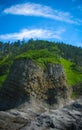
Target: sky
(53, 20)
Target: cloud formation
(32, 9)
(33, 33)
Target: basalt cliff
(30, 83)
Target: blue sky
(55, 20)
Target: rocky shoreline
(67, 118)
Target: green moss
(73, 76)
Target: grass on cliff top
(73, 76)
(41, 57)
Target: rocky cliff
(40, 87)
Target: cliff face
(28, 82)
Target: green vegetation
(41, 57)
(73, 76)
(42, 52)
(2, 79)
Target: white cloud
(32, 9)
(33, 33)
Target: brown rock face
(28, 82)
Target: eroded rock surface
(29, 82)
(66, 118)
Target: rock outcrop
(66, 118)
(77, 90)
(41, 87)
